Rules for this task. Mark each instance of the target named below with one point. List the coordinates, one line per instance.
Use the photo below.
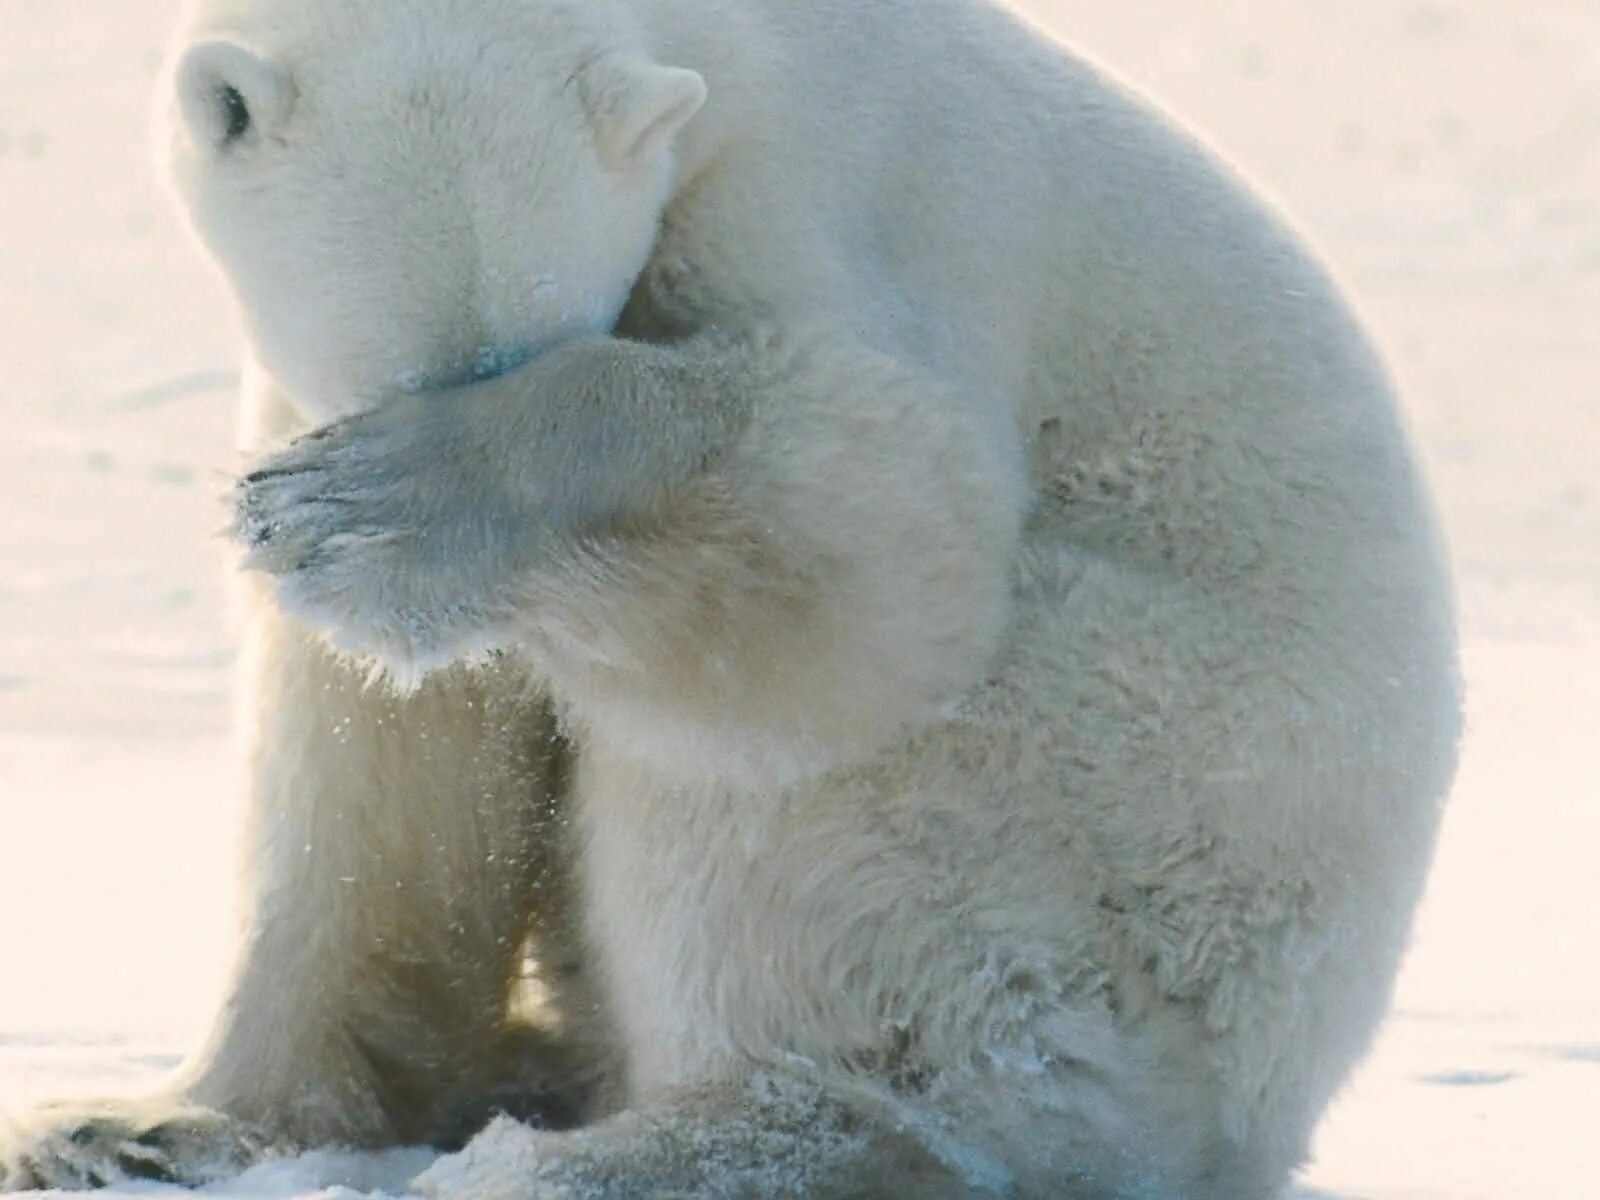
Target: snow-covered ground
(1446, 155)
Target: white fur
(1001, 647)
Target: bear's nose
(490, 362)
(482, 364)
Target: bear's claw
(388, 533)
(60, 1148)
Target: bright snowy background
(1445, 155)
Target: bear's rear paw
(75, 1146)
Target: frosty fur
(972, 679)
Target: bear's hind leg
(769, 1137)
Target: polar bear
(891, 578)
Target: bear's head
(406, 194)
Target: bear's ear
(636, 106)
(228, 94)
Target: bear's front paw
(390, 533)
(62, 1146)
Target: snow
(1445, 154)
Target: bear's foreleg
(399, 852)
(777, 548)
(395, 858)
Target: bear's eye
(235, 114)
